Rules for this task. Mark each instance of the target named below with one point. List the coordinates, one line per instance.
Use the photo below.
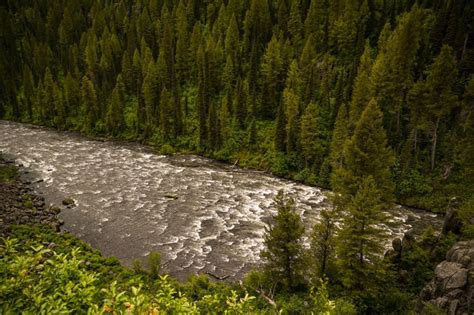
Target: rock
(68, 202)
(452, 222)
(458, 280)
(452, 288)
(453, 307)
(171, 196)
(446, 269)
(55, 210)
(397, 245)
(52, 245)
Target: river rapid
(201, 215)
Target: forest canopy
(277, 85)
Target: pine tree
(166, 110)
(151, 93)
(392, 73)
(441, 98)
(213, 132)
(90, 108)
(283, 247)
(240, 104)
(307, 64)
(295, 26)
(361, 239)
(339, 136)
(182, 42)
(115, 114)
(467, 143)
(72, 95)
(323, 244)
(203, 95)
(361, 92)
(47, 109)
(317, 23)
(59, 107)
(280, 133)
(28, 90)
(291, 101)
(365, 154)
(272, 78)
(314, 135)
(232, 40)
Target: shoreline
(20, 204)
(150, 148)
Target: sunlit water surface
(201, 215)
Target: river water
(201, 215)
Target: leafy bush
(8, 173)
(61, 278)
(167, 149)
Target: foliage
(210, 78)
(7, 173)
(69, 277)
(283, 248)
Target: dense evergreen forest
(373, 99)
(275, 85)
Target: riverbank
(19, 204)
(241, 160)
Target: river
(201, 215)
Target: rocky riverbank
(452, 287)
(19, 204)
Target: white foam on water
(122, 188)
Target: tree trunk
(435, 141)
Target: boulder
(452, 288)
(452, 222)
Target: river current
(201, 215)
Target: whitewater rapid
(201, 215)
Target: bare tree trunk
(435, 141)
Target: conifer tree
(280, 132)
(90, 108)
(361, 92)
(47, 109)
(392, 73)
(361, 239)
(323, 244)
(60, 114)
(307, 64)
(182, 42)
(316, 23)
(166, 110)
(272, 78)
(72, 95)
(441, 98)
(291, 101)
(115, 114)
(240, 104)
(295, 26)
(151, 95)
(366, 154)
(339, 136)
(214, 130)
(232, 40)
(203, 95)
(283, 248)
(467, 143)
(28, 90)
(313, 137)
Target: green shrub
(167, 149)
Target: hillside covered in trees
(373, 99)
(275, 85)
